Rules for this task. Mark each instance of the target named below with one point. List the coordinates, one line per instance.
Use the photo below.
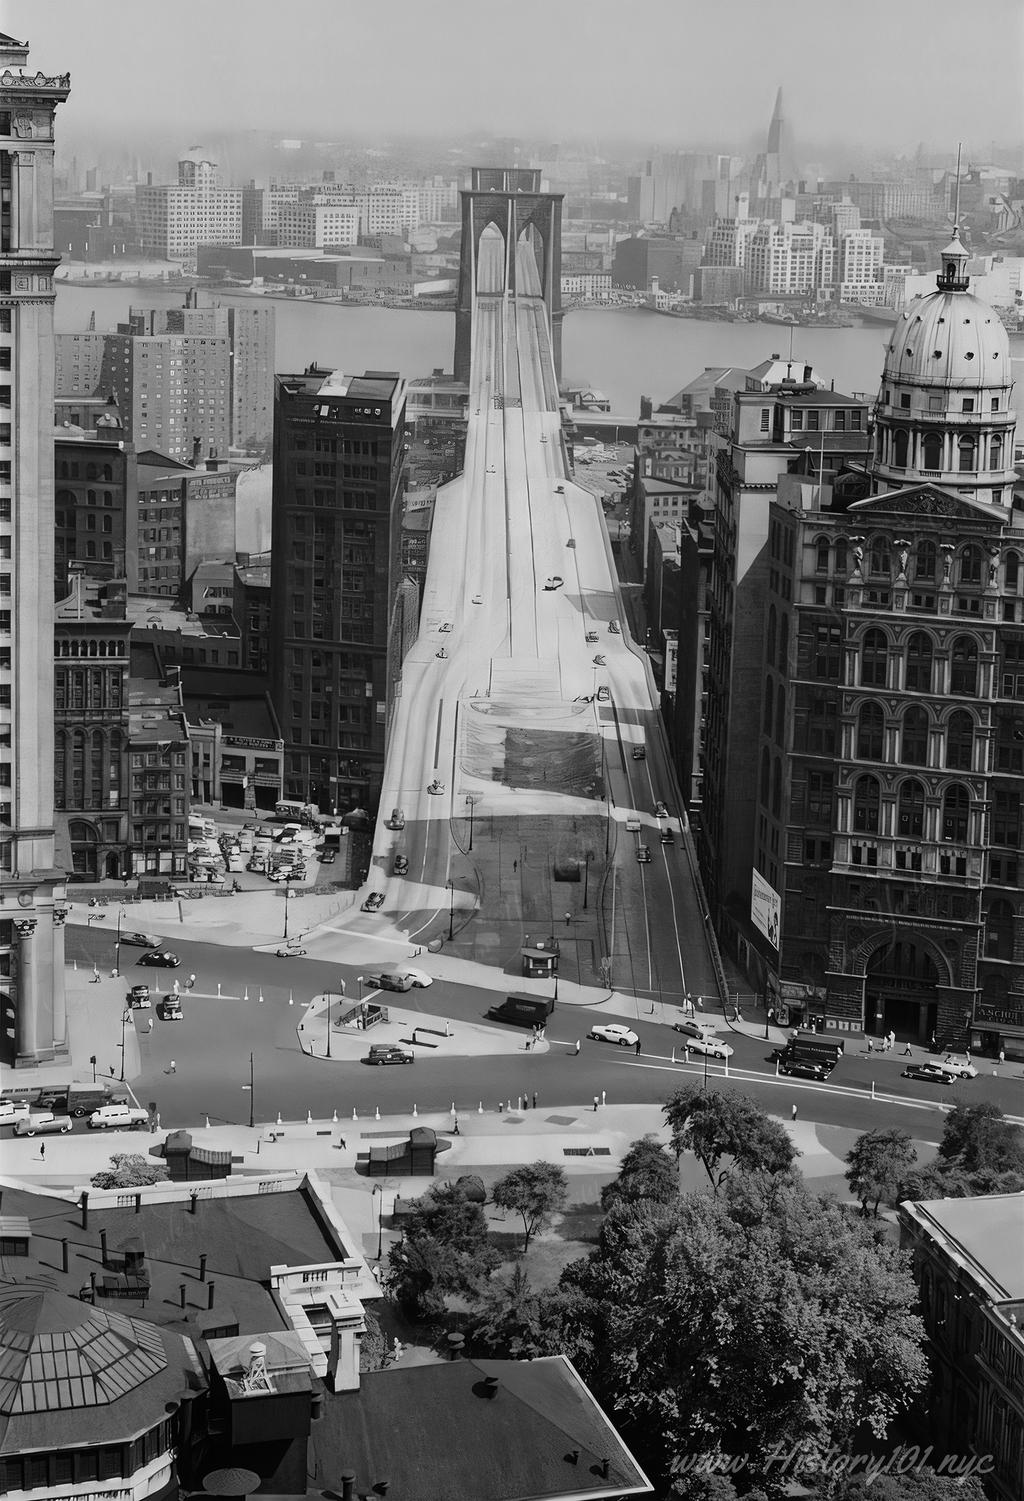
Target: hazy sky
(881, 73)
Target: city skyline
(651, 85)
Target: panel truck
(523, 1010)
(809, 1054)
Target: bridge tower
(510, 198)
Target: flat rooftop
(986, 1233)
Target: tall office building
(31, 888)
(173, 218)
(339, 472)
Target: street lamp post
(288, 894)
(328, 1024)
(586, 876)
(117, 944)
(379, 1189)
(126, 1017)
(251, 1087)
(470, 804)
(451, 910)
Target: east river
(625, 352)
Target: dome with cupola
(945, 409)
(950, 337)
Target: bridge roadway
(497, 706)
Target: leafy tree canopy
(534, 1192)
(647, 1172)
(130, 1170)
(877, 1163)
(727, 1133)
(979, 1136)
(445, 1251)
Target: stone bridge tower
(510, 199)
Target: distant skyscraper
(31, 888)
(339, 472)
(173, 218)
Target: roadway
(225, 1019)
(521, 702)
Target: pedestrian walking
(95, 976)
(173, 1068)
(931, 1042)
(568, 918)
(595, 1104)
(577, 1047)
(892, 1038)
(604, 1097)
(176, 988)
(793, 1116)
(871, 1045)
(534, 1099)
(735, 1013)
(455, 1126)
(515, 866)
(1002, 1055)
(529, 1043)
(151, 1024)
(637, 1047)
(700, 1003)
(111, 1070)
(526, 1101)
(42, 1150)
(191, 982)
(908, 1051)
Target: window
(866, 800)
(1006, 819)
(965, 451)
(841, 564)
(819, 798)
(931, 450)
(964, 668)
(766, 416)
(999, 926)
(905, 400)
(960, 741)
(915, 736)
(874, 655)
(827, 651)
(970, 565)
(1011, 563)
(870, 732)
(925, 561)
(910, 810)
(768, 701)
(771, 633)
(955, 809)
(765, 777)
(783, 642)
(995, 452)
(919, 663)
(880, 560)
(900, 445)
(821, 555)
(1009, 744)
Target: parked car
(691, 1028)
(138, 999)
(291, 952)
(435, 788)
(42, 1123)
(592, 636)
(169, 1009)
(805, 1068)
(643, 854)
(161, 959)
(401, 865)
(419, 977)
(959, 1064)
(12, 1110)
(932, 1073)
(328, 857)
(118, 1118)
(397, 819)
(667, 836)
(614, 1032)
(139, 940)
(639, 753)
(373, 902)
(386, 1052)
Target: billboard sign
(765, 908)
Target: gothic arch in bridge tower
(509, 200)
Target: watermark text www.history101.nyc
(808, 1459)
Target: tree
(646, 1172)
(534, 1192)
(979, 1136)
(877, 1162)
(509, 1318)
(760, 1318)
(130, 1170)
(729, 1127)
(444, 1251)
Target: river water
(624, 352)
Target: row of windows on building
(964, 565)
(933, 453)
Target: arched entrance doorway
(901, 991)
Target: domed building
(945, 412)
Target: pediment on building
(927, 500)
